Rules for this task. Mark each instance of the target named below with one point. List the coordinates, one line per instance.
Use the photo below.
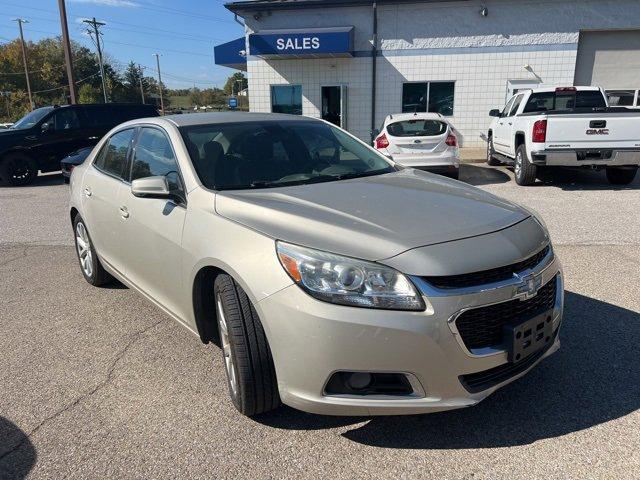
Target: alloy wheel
(83, 244)
(226, 348)
(518, 165)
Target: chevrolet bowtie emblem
(528, 286)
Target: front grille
(487, 276)
(477, 382)
(482, 327)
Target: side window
(507, 107)
(516, 104)
(63, 119)
(154, 156)
(112, 158)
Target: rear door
(104, 185)
(416, 138)
(509, 127)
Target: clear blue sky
(183, 32)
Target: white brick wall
(438, 42)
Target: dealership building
(353, 62)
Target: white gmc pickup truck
(565, 126)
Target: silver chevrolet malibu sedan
(333, 280)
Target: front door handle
(87, 192)
(124, 213)
(510, 123)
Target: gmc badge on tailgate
(597, 131)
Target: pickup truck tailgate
(610, 130)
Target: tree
(234, 81)
(89, 94)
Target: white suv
(425, 141)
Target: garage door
(609, 59)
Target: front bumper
(585, 157)
(310, 340)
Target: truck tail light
(382, 141)
(539, 134)
(451, 140)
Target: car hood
(372, 218)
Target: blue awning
(302, 43)
(231, 54)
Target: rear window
(545, 101)
(416, 128)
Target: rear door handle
(510, 123)
(124, 213)
(87, 192)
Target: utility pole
(67, 51)
(24, 59)
(95, 24)
(157, 55)
(140, 80)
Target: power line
(66, 86)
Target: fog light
(368, 383)
(359, 380)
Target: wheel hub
(226, 347)
(83, 245)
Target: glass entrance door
(332, 104)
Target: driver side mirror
(152, 187)
(494, 112)
(46, 127)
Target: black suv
(43, 137)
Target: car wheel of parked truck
(251, 376)
(621, 176)
(525, 171)
(90, 265)
(18, 169)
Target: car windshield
(416, 128)
(275, 153)
(31, 118)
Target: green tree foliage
(234, 81)
(87, 93)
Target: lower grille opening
(368, 383)
(479, 381)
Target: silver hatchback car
(333, 280)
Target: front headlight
(348, 281)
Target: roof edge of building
(240, 7)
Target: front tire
(525, 172)
(491, 159)
(90, 265)
(18, 169)
(251, 375)
(621, 176)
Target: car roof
(553, 89)
(190, 119)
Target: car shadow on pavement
(477, 175)
(17, 453)
(593, 379)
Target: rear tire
(491, 160)
(18, 169)
(455, 174)
(621, 176)
(525, 172)
(90, 265)
(251, 375)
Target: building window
(434, 97)
(286, 99)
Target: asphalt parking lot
(97, 383)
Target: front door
(61, 135)
(153, 226)
(333, 104)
